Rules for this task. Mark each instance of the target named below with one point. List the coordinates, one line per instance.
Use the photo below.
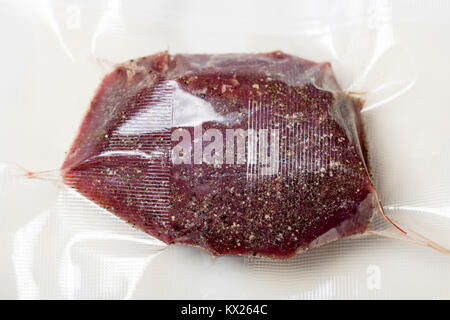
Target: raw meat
(160, 148)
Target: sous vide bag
(64, 245)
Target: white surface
(55, 244)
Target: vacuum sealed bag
(146, 128)
(237, 153)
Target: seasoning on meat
(245, 154)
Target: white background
(55, 244)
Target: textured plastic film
(61, 244)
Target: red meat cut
(242, 154)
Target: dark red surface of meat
(303, 180)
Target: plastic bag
(61, 245)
